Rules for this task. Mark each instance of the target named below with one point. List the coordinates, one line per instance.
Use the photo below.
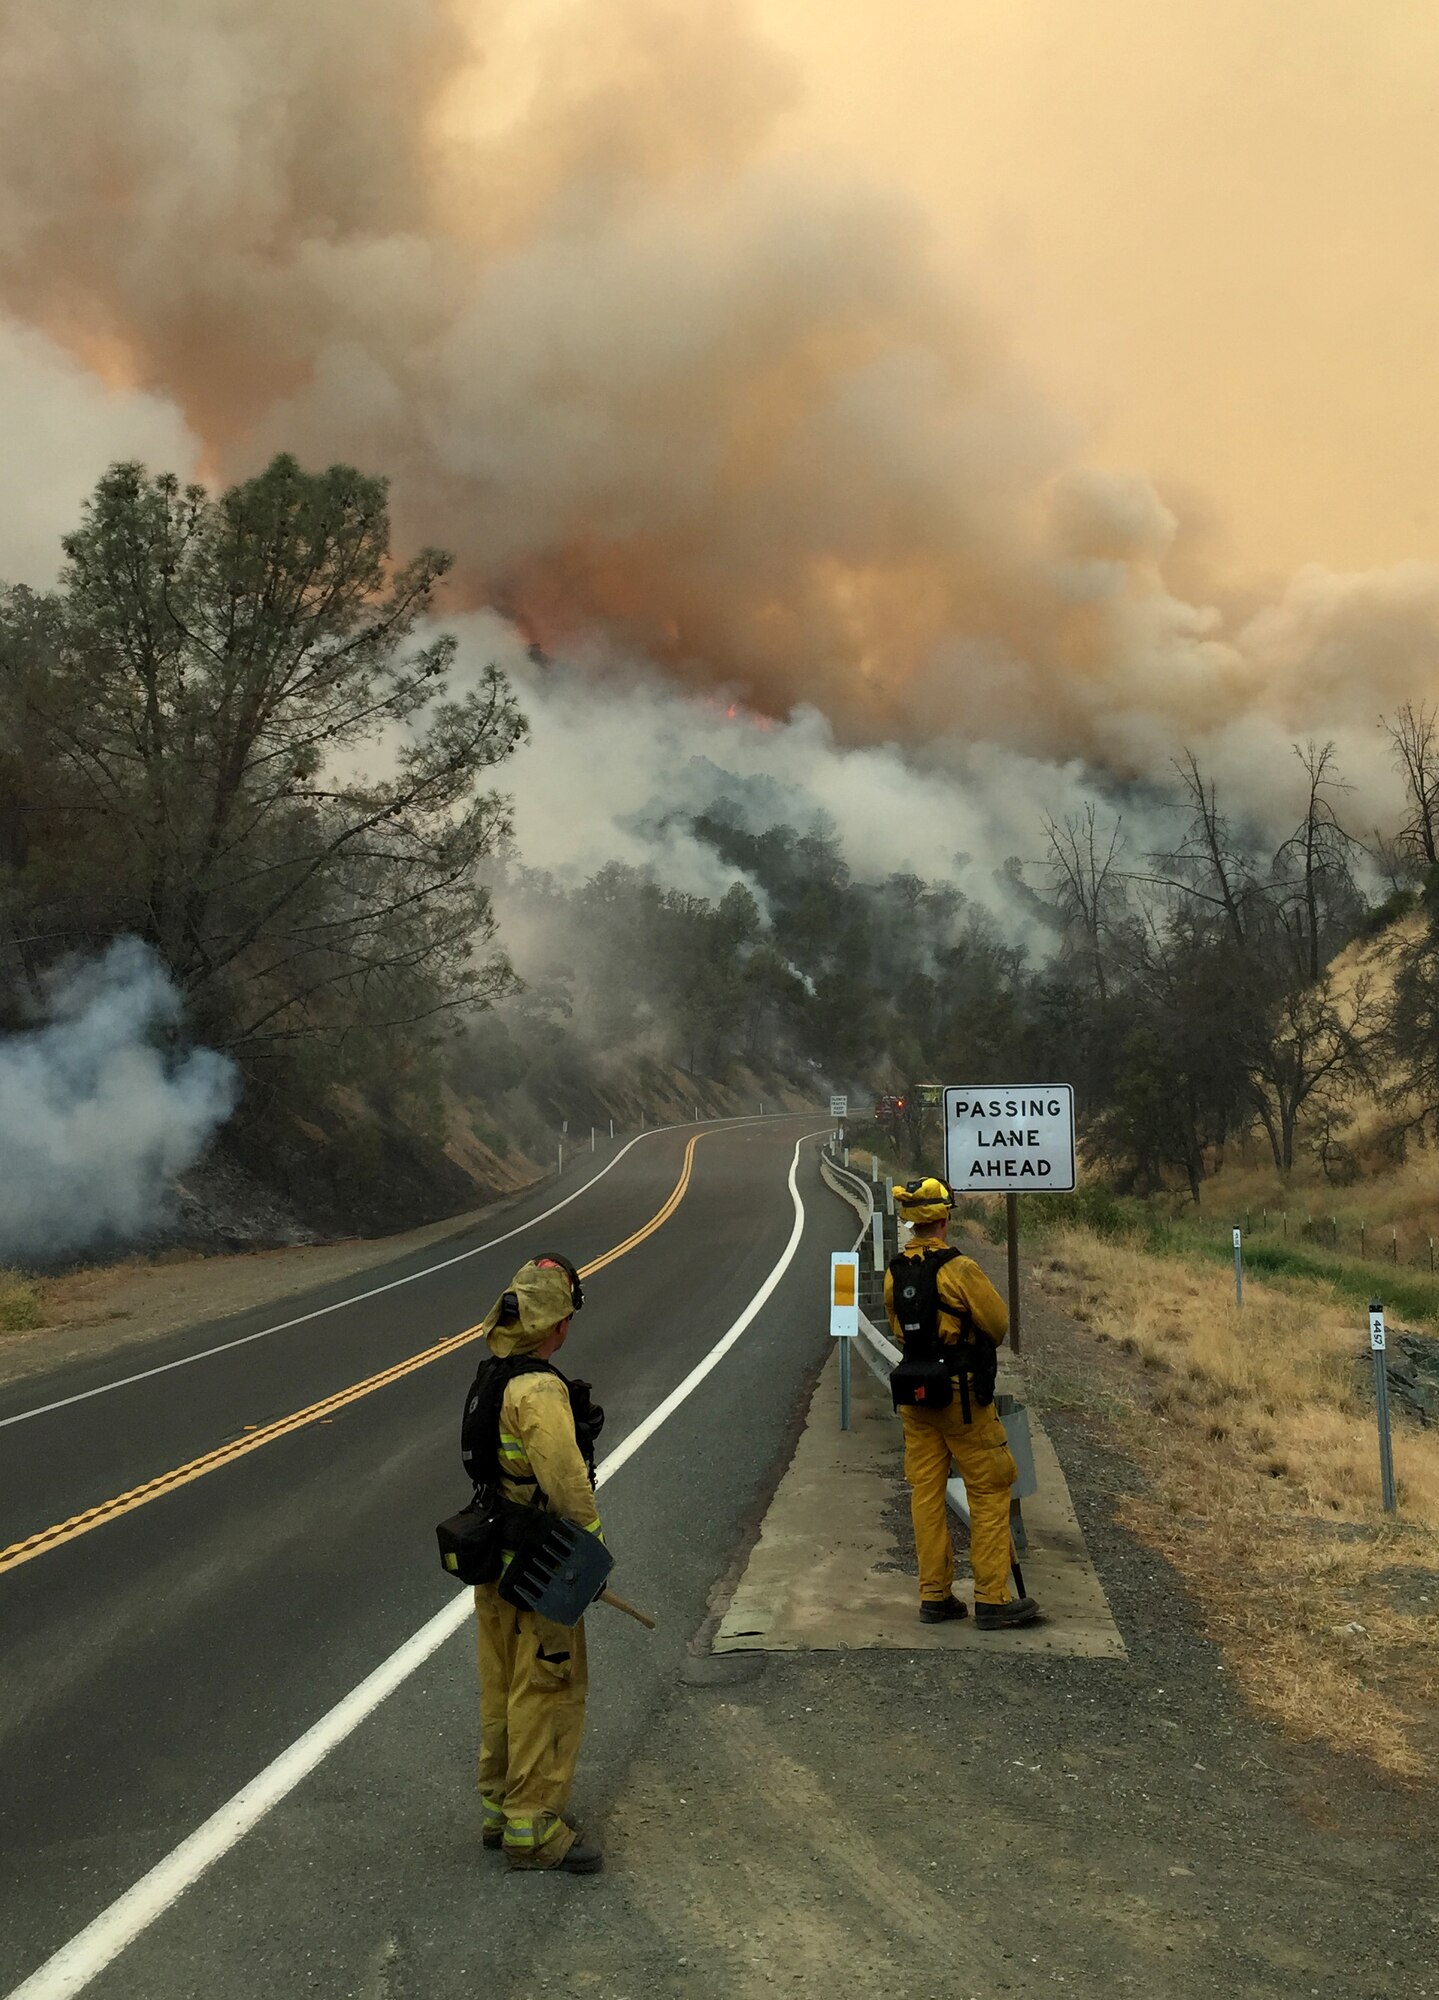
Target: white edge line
(87, 1954)
(358, 1298)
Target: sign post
(1010, 1139)
(1377, 1343)
(1011, 1236)
(1238, 1267)
(844, 1318)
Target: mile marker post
(1238, 1267)
(1377, 1343)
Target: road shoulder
(833, 1566)
(910, 1821)
(118, 1308)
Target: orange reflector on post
(844, 1293)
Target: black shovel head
(559, 1573)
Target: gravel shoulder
(928, 1823)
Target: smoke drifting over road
(98, 1119)
(540, 263)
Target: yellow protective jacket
(537, 1445)
(962, 1287)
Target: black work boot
(942, 1610)
(1003, 1617)
(582, 1859)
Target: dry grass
(1263, 1488)
(21, 1305)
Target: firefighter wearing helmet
(535, 1429)
(949, 1320)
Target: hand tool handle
(608, 1597)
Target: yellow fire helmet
(927, 1200)
(539, 1297)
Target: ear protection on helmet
(928, 1192)
(577, 1290)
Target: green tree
(253, 763)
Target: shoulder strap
(917, 1304)
(480, 1425)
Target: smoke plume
(98, 1116)
(542, 263)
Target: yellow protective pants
(980, 1451)
(533, 1679)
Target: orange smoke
(534, 260)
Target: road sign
(839, 1107)
(1376, 1331)
(1012, 1140)
(844, 1293)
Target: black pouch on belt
(473, 1542)
(926, 1385)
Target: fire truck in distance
(890, 1109)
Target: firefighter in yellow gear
(532, 1672)
(967, 1433)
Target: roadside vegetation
(1255, 1433)
(22, 1306)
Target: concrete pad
(833, 1568)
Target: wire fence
(1392, 1244)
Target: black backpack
(480, 1424)
(926, 1377)
(473, 1542)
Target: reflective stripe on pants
(533, 1679)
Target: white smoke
(61, 428)
(98, 1116)
(618, 761)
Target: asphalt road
(152, 1666)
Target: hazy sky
(1056, 375)
(1210, 226)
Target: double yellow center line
(168, 1482)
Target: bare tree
(1320, 852)
(1313, 1047)
(1412, 740)
(1088, 886)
